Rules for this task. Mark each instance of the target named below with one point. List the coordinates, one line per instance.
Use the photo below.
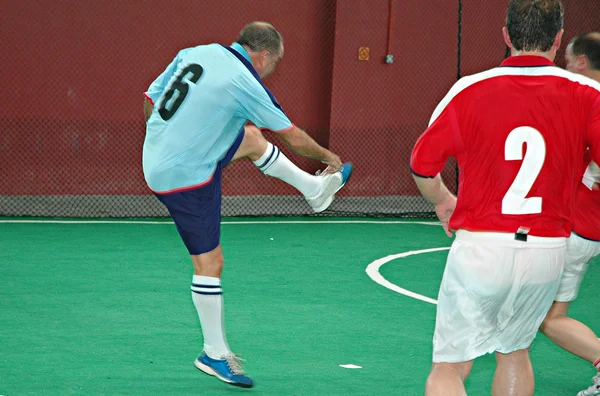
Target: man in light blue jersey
(196, 113)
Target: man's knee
(463, 369)
(557, 311)
(253, 145)
(447, 379)
(253, 136)
(521, 355)
(210, 263)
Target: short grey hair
(260, 36)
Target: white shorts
(495, 293)
(579, 252)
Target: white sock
(208, 299)
(274, 163)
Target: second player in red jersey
(515, 131)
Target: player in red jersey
(518, 133)
(583, 57)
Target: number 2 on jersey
(514, 201)
(180, 88)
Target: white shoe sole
(327, 203)
(207, 370)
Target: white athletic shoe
(593, 390)
(332, 183)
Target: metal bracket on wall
(363, 53)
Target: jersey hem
(419, 175)
(183, 189)
(584, 237)
(149, 98)
(285, 129)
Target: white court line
(433, 223)
(373, 272)
(348, 366)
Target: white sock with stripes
(274, 163)
(208, 299)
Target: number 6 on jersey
(180, 88)
(514, 201)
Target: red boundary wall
(73, 74)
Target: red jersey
(518, 133)
(586, 222)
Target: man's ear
(263, 55)
(558, 39)
(506, 37)
(582, 63)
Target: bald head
(261, 36)
(588, 45)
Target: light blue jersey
(201, 101)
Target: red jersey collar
(527, 61)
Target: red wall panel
(73, 73)
(378, 109)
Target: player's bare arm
(148, 107)
(301, 143)
(438, 194)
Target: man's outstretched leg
(319, 191)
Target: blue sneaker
(227, 369)
(332, 183)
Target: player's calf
(447, 379)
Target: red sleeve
(435, 145)
(593, 131)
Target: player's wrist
(325, 156)
(444, 197)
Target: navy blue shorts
(197, 212)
